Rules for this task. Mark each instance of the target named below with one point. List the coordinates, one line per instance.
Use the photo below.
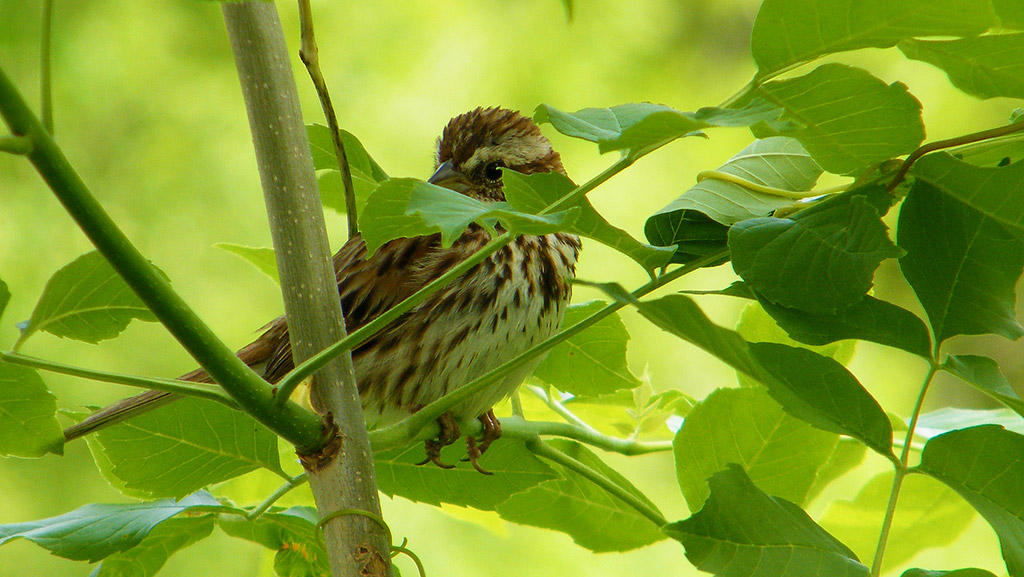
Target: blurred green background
(149, 110)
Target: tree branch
(356, 546)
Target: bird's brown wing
(367, 286)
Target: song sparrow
(497, 310)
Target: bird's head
(475, 146)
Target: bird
(502, 306)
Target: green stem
(901, 472)
(559, 408)
(299, 426)
(281, 491)
(184, 388)
(46, 66)
(518, 428)
(15, 145)
(542, 449)
(407, 429)
(573, 197)
(769, 190)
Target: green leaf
(788, 32)
(291, 532)
(576, 506)
(406, 207)
(777, 162)
(186, 445)
(640, 128)
(850, 119)
(515, 469)
(970, 572)
(535, 192)
(96, 531)
(984, 66)
(693, 233)
(946, 419)
(28, 414)
(332, 190)
(5, 297)
(983, 373)
(742, 532)
(166, 539)
(928, 515)
(820, 260)
(86, 301)
(870, 319)
(260, 257)
(962, 265)
(1010, 12)
(848, 454)
(322, 147)
(985, 465)
(995, 192)
(592, 362)
(757, 326)
(810, 387)
(782, 455)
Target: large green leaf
(998, 193)
(782, 455)
(28, 414)
(742, 532)
(820, 260)
(366, 173)
(406, 207)
(260, 257)
(809, 386)
(292, 533)
(186, 445)
(693, 233)
(592, 362)
(515, 469)
(929, 514)
(96, 531)
(983, 373)
(870, 319)
(788, 32)
(166, 539)
(86, 301)
(777, 162)
(639, 128)
(535, 192)
(963, 265)
(985, 66)
(985, 465)
(849, 119)
(576, 506)
(1010, 12)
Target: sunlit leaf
(592, 362)
(535, 192)
(788, 32)
(96, 531)
(28, 414)
(406, 207)
(994, 192)
(985, 465)
(515, 469)
(983, 373)
(86, 301)
(586, 512)
(964, 277)
(166, 539)
(777, 162)
(820, 260)
(782, 455)
(928, 514)
(849, 119)
(260, 257)
(742, 532)
(757, 326)
(186, 445)
(983, 66)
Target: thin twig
(20, 145)
(559, 408)
(310, 56)
(281, 491)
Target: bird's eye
(493, 170)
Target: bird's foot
(491, 432)
(449, 434)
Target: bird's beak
(449, 178)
